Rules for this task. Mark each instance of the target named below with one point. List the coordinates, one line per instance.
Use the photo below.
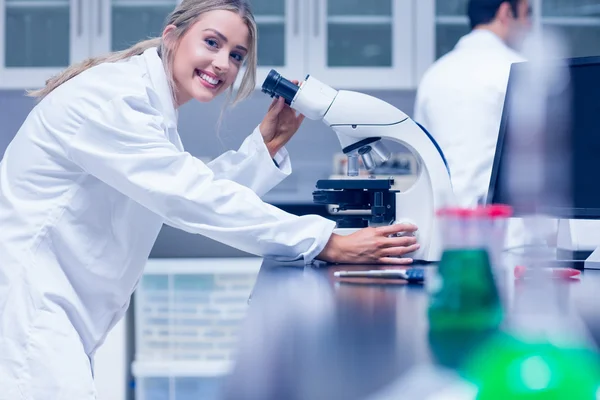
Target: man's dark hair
(484, 11)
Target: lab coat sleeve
(124, 145)
(252, 166)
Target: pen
(411, 275)
(383, 273)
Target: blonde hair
(182, 17)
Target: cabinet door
(440, 24)
(280, 38)
(451, 23)
(361, 45)
(577, 20)
(119, 24)
(39, 38)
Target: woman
(98, 167)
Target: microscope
(362, 124)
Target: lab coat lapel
(159, 80)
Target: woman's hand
(280, 124)
(371, 246)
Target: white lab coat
(85, 186)
(459, 101)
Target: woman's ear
(168, 33)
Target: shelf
(571, 21)
(360, 20)
(37, 4)
(217, 265)
(451, 20)
(204, 369)
(561, 21)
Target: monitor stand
(593, 261)
(578, 241)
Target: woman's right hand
(371, 246)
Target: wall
(311, 151)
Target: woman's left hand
(280, 124)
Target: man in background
(460, 98)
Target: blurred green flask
(516, 367)
(466, 297)
(465, 309)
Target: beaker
(465, 305)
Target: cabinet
(38, 37)
(358, 44)
(577, 20)
(379, 44)
(120, 24)
(189, 314)
(451, 22)
(345, 43)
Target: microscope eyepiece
(276, 85)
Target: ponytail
(76, 69)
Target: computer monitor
(577, 160)
(571, 165)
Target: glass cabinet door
(38, 38)
(359, 34)
(136, 20)
(451, 23)
(119, 24)
(578, 21)
(280, 38)
(123, 23)
(360, 44)
(270, 19)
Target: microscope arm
(360, 122)
(357, 117)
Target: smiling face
(209, 56)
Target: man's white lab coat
(85, 186)
(459, 101)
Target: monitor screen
(570, 166)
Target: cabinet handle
(79, 18)
(317, 17)
(100, 14)
(296, 17)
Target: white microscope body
(360, 122)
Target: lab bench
(312, 336)
(247, 328)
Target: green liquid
(468, 297)
(509, 367)
(465, 310)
